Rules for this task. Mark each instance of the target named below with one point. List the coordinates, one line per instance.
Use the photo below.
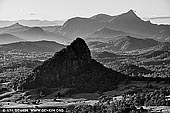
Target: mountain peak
(78, 41)
(72, 67)
(81, 49)
(131, 11)
(17, 24)
(129, 17)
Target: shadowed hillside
(73, 67)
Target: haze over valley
(114, 59)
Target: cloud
(154, 18)
(32, 14)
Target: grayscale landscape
(98, 60)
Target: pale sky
(65, 9)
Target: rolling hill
(104, 34)
(126, 43)
(37, 46)
(8, 38)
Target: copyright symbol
(3, 110)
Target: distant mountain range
(13, 28)
(32, 33)
(33, 23)
(101, 27)
(37, 46)
(128, 23)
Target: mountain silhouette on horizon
(127, 22)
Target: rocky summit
(73, 67)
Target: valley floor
(16, 99)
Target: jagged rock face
(73, 67)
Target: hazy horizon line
(32, 20)
(64, 20)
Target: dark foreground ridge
(73, 67)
